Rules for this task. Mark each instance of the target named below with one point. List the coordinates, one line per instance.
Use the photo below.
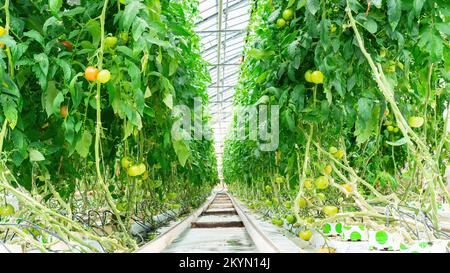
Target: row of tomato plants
(362, 88)
(87, 95)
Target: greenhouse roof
(222, 28)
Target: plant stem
(3, 134)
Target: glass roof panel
(224, 58)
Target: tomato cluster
(93, 74)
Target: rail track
(220, 225)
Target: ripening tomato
(281, 23)
(305, 235)
(279, 179)
(308, 76)
(322, 183)
(145, 175)
(415, 122)
(332, 150)
(124, 37)
(6, 210)
(136, 170)
(308, 183)
(103, 76)
(110, 42)
(288, 14)
(68, 45)
(328, 169)
(63, 111)
(302, 202)
(330, 210)
(321, 196)
(91, 73)
(333, 28)
(347, 188)
(142, 168)
(339, 154)
(317, 77)
(2, 32)
(287, 204)
(125, 162)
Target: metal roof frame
(222, 28)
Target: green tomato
(288, 14)
(302, 202)
(321, 196)
(6, 210)
(415, 122)
(125, 162)
(317, 77)
(308, 76)
(124, 37)
(281, 23)
(287, 204)
(305, 235)
(136, 170)
(111, 42)
(332, 150)
(322, 183)
(330, 210)
(291, 219)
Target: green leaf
(399, 142)
(139, 26)
(274, 15)
(259, 54)
(371, 25)
(48, 97)
(10, 112)
(57, 102)
(54, 5)
(394, 12)
(431, 42)
(313, 6)
(148, 93)
(36, 156)
(444, 28)
(290, 3)
(42, 60)
(173, 66)
(182, 150)
(65, 67)
(129, 14)
(33, 34)
(83, 144)
(93, 27)
(418, 4)
(168, 100)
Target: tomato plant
(114, 151)
(359, 85)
